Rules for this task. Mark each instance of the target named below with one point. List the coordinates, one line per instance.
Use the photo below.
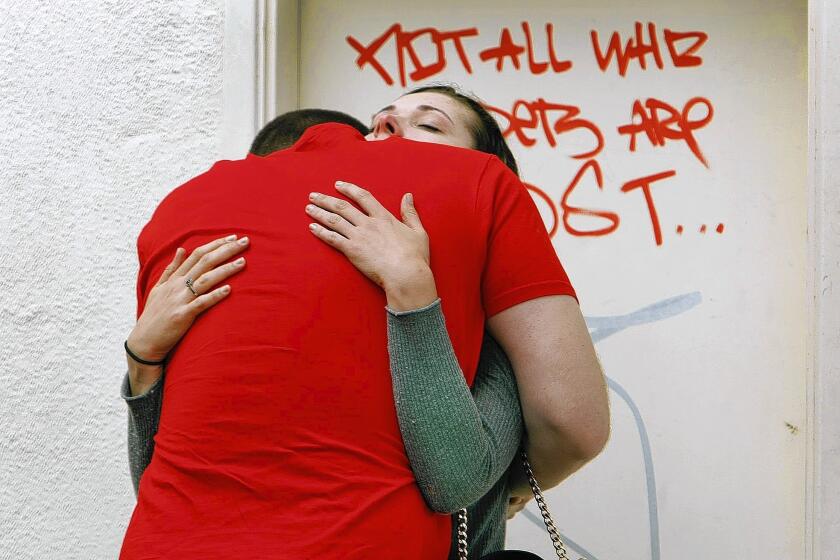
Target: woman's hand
(172, 307)
(519, 489)
(392, 253)
(517, 504)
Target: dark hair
(485, 130)
(286, 129)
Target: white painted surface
(716, 384)
(825, 252)
(242, 73)
(106, 106)
(282, 56)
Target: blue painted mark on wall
(599, 329)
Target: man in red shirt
(278, 437)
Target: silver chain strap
(553, 533)
(462, 534)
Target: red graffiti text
(569, 210)
(553, 119)
(508, 49)
(404, 42)
(610, 220)
(639, 48)
(644, 183)
(660, 122)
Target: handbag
(559, 547)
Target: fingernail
(339, 183)
(313, 227)
(410, 198)
(230, 238)
(225, 289)
(310, 208)
(243, 241)
(313, 196)
(240, 261)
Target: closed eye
(429, 127)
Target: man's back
(278, 437)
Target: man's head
(285, 130)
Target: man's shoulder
(222, 170)
(218, 177)
(212, 183)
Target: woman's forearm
(412, 287)
(458, 446)
(559, 444)
(141, 377)
(143, 418)
(550, 460)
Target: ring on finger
(191, 286)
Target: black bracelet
(141, 360)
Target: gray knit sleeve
(459, 444)
(143, 417)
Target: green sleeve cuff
(143, 419)
(420, 310)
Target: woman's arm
(459, 444)
(563, 390)
(183, 291)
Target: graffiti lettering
(687, 57)
(644, 183)
(612, 219)
(530, 115)
(404, 41)
(508, 49)
(643, 47)
(569, 210)
(420, 54)
(660, 122)
(640, 47)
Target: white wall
(824, 539)
(105, 107)
(704, 337)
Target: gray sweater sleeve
(459, 444)
(143, 416)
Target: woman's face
(424, 117)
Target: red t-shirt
(278, 435)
